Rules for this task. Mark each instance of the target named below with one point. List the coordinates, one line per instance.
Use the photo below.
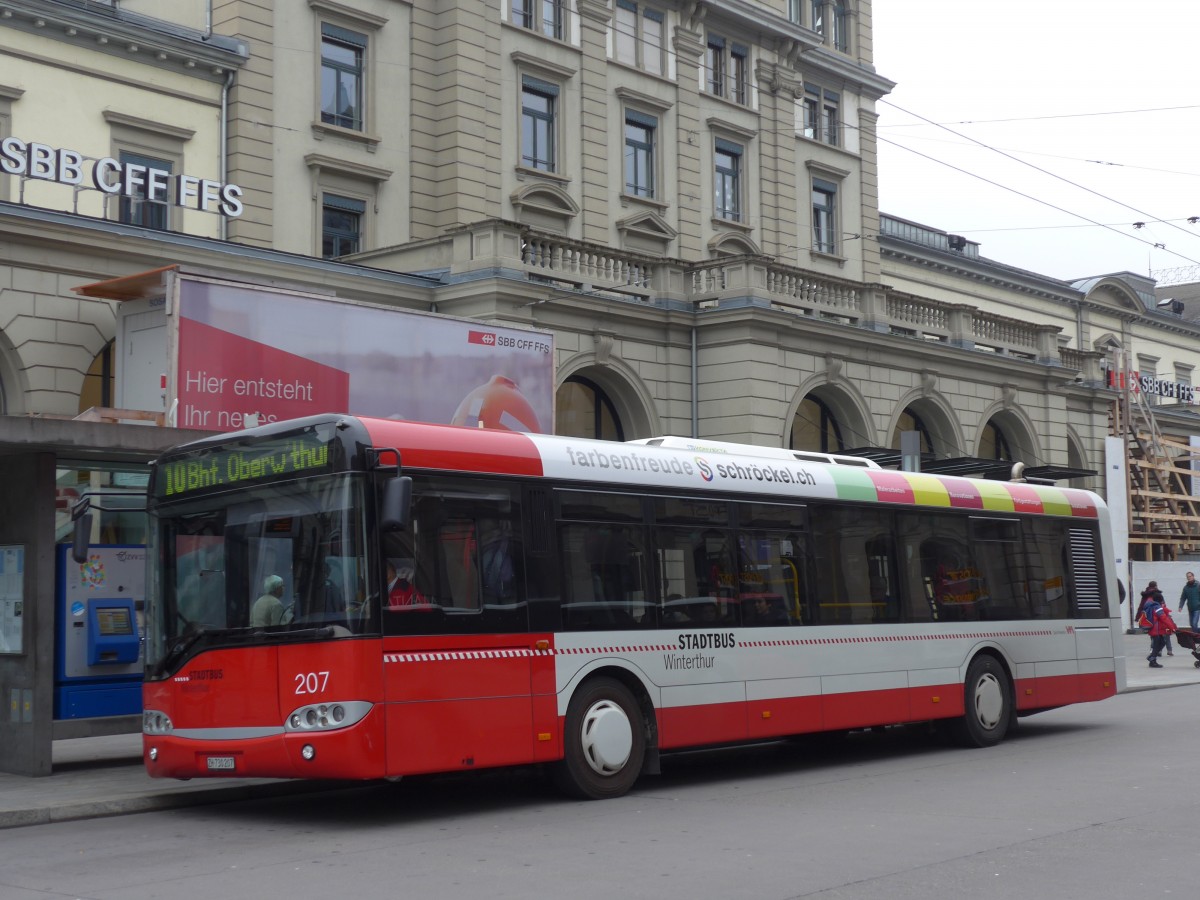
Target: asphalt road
(1089, 802)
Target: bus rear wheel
(605, 742)
(988, 704)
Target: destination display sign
(241, 464)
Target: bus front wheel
(988, 704)
(605, 741)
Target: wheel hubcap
(989, 701)
(607, 737)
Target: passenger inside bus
(269, 609)
(401, 590)
(497, 572)
(765, 609)
(331, 595)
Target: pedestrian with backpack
(1150, 596)
(1157, 617)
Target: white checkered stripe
(743, 643)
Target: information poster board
(12, 598)
(244, 351)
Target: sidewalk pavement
(104, 776)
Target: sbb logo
(482, 337)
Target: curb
(20, 818)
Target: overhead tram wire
(1075, 159)
(1081, 187)
(1152, 244)
(1114, 112)
(1056, 227)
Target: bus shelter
(48, 464)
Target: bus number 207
(311, 682)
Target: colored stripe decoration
(853, 484)
(923, 489)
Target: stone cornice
(981, 272)
(129, 35)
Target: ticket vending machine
(100, 632)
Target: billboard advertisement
(242, 350)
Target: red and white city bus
(590, 604)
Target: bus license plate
(220, 764)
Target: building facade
(684, 193)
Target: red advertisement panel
(244, 350)
(223, 376)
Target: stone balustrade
(751, 281)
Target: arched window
(910, 421)
(584, 410)
(816, 428)
(993, 443)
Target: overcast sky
(1105, 95)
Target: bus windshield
(287, 561)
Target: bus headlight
(326, 716)
(155, 722)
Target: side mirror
(397, 504)
(80, 537)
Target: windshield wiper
(324, 631)
(183, 645)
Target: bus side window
(696, 577)
(999, 560)
(930, 547)
(856, 562)
(499, 553)
(602, 571)
(1047, 543)
(458, 570)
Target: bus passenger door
(457, 650)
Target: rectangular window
(543, 16)
(793, 11)
(715, 63)
(771, 578)
(829, 118)
(739, 74)
(639, 36)
(640, 133)
(1049, 581)
(604, 577)
(728, 69)
(812, 112)
(653, 45)
(818, 16)
(343, 54)
(998, 567)
(727, 178)
(824, 216)
(978, 569)
(460, 568)
(697, 577)
(539, 100)
(341, 225)
(841, 32)
(821, 119)
(856, 555)
(150, 204)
